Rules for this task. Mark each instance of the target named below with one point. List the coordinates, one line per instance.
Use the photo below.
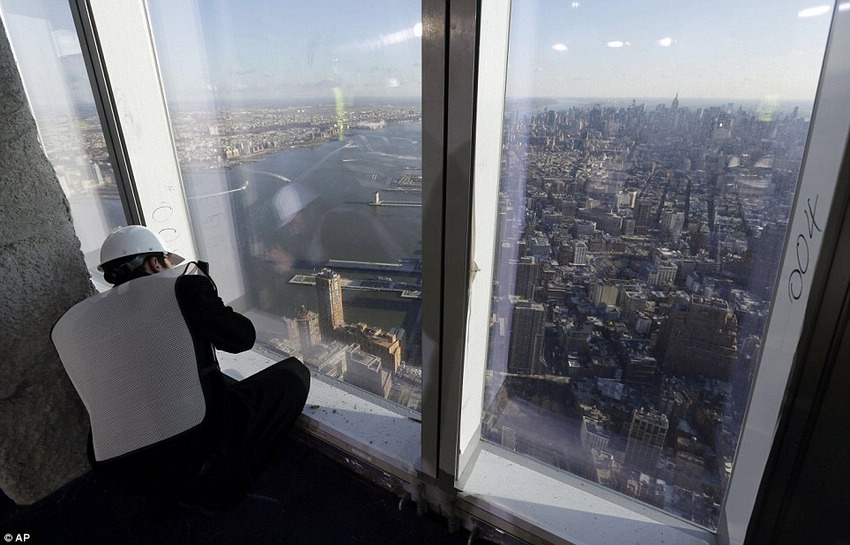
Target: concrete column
(43, 424)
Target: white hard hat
(132, 240)
(291, 199)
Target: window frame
(453, 111)
(127, 98)
(772, 394)
(120, 52)
(104, 100)
(825, 150)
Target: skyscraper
(329, 292)
(643, 214)
(384, 344)
(364, 370)
(579, 253)
(527, 271)
(308, 328)
(647, 433)
(526, 346)
(603, 293)
(672, 224)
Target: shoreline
(261, 155)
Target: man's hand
(281, 260)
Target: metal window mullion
(128, 56)
(104, 100)
(434, 92)
(457, 231)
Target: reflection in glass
(49, 58)
(640, 238)
(298, 132)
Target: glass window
(650, 159)
(44, 40)
(298, 133)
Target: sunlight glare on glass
(844, 7)
(385, 40)
(559, 47)
(813, 12)
(665, 42)
(576, 5)
(616, 43)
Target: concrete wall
(43, 425)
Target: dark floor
(304, 497)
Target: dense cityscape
(638, 247)
(638, 251)
(232, 136)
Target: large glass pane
(49, 58)
(650, 160)
(298, 133)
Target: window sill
(376, 433)
(564, 509)
(543, 502)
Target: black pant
(214, 465)
(265, 407)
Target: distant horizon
(533, 103)
(260, 51)
(684, 102)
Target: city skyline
(650, 239)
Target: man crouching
(164, 420)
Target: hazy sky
(718, 49)
(268, 49)
(654, 48)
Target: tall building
(579, 252)
(701, 339)
(527, 271)
(364, 371)
(308, 328)
(593, 433)
(672, 224)
(674, 111)
(662, 274)
(329, 292)
(601, 293)
(386, 345)
(526, 345)
(647, 433)
(643, 214)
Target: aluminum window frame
(825, 149)
(820, 172)
(452, 34)
(122, 63)
(104, 101)
(126, 101)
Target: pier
(404, 266)
(377, 201)
(404, 289)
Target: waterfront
(344, 174)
